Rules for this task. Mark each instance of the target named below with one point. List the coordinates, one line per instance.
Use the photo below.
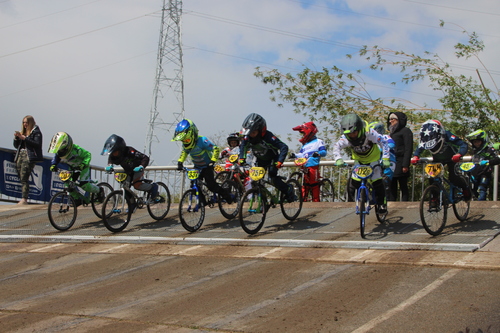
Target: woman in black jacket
(29, 151)
(403, 139)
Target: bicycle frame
(364, 173)
(73, 186)
(124, 180)
(197, 185)
(435, 171)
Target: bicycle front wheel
(191, 211)
(362, 206)
(97, 200)
(252, 210)
(326, 191)
(433, 210)
(62, 211)
(161, 206)
(461, 207)
(116, 211)
(230, 210)
(291, 210)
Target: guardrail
(177, 182)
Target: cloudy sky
(87, 67)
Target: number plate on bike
(64, 175)
(434, 169)
(233, 158)
(467, 166)
(193, 174)
(120, 177)
(300, 161)
(363, 171)
(218, 168)
(257, 173)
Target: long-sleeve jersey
(314, 146)
(372, 149)
(132, 158)
(203, 153)
(452, 145)
(78, 158)
(267, 149)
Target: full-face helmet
(351, 123)
(254, 122)
(115, 147)
(233, 137)
(478, 135)
(308, 131)
(61, 144)
(377, 126)
(432, 136)
(187, 132)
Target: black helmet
(115, 147)
(351, 123)
(432, 136)
(233, 137)
(254, 122)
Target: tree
(325, 96)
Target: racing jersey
(314, 146)
(204, 153)
(452, 145)
(78, 158)
(267, 149)
(132, 158)
(373, 148)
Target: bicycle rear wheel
(116, 211)
(433, 210)
(362, 205)
(291, 210)
(461, 207)
(230, 210)
(97, 200)
(222, 176)
(326, 191)
(62, 211)
(161, 206)
(191, 211)
(252, 210)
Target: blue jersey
(204, 153)
(314, 146)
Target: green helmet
(187, 132)
(478, 135)
(351, 123)
(61, 144)
(377, 126)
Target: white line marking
(263, 254)
(188, 249)
(401, 306)
(113, 248)
(46, 247)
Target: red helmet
(308, 131)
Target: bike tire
(326, 191)
(159, 210)
(433, 213)
(191, 211)
(230, 211)
(96, 203)
(291, 210)
(62, 211)
(461, 208)
(362, 206)
(116, 211)
(252, 210)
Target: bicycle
(436, 199)
(256, 202)
(119, 205)
(326, 189)
(365, 196)
(235, 173)
(62, 208)
(198, 196)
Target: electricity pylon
(168, 94)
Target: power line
(454, 8)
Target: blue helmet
(187, 132)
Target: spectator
(29, 151)
(403, 139)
